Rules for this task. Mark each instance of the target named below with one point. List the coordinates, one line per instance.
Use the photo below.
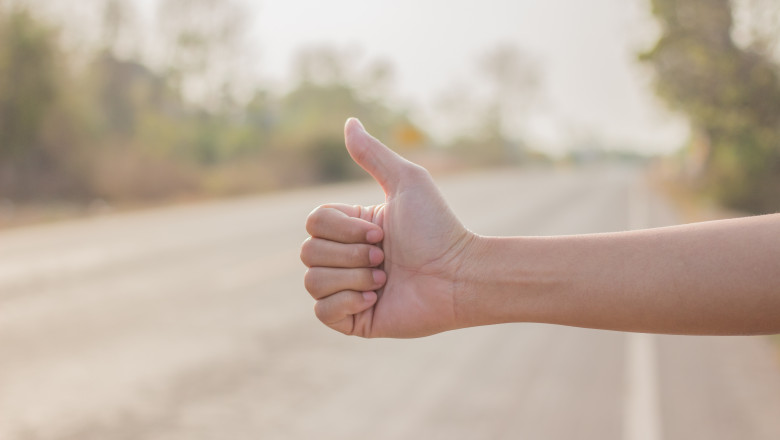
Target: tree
(27, 82)
(30, 89)
(204, 43)
(730, 94)
(311, 116)
(513, 81)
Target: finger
(382, 163)
(337, 311)
(324, 281)
(333, 224)
(326, 253)
(358, 211)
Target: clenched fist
(392, 269)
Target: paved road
(192, 323)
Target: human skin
(408, 268)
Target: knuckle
(319, 310)
(417, 172)
(306, 251)
(314, 220)
(309, 280)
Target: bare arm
(408, 268)
(719, 277)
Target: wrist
(508, 279)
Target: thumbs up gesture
(392, 269)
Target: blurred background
(158, 159)
(124, 102)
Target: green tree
(311, 116)
(27, 82)
(104, 123)
(35, 129)
(203, 41)
(730, 94)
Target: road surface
(192, 323)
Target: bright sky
(593, 89)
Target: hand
(406, 288)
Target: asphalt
(192, 322)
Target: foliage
(119, 128)
(730, 94)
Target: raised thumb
(373, 156)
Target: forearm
(708, 278)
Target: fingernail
(357, 121)
(374, 255)
(368, 296)
(374, 236)
(379, 276)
